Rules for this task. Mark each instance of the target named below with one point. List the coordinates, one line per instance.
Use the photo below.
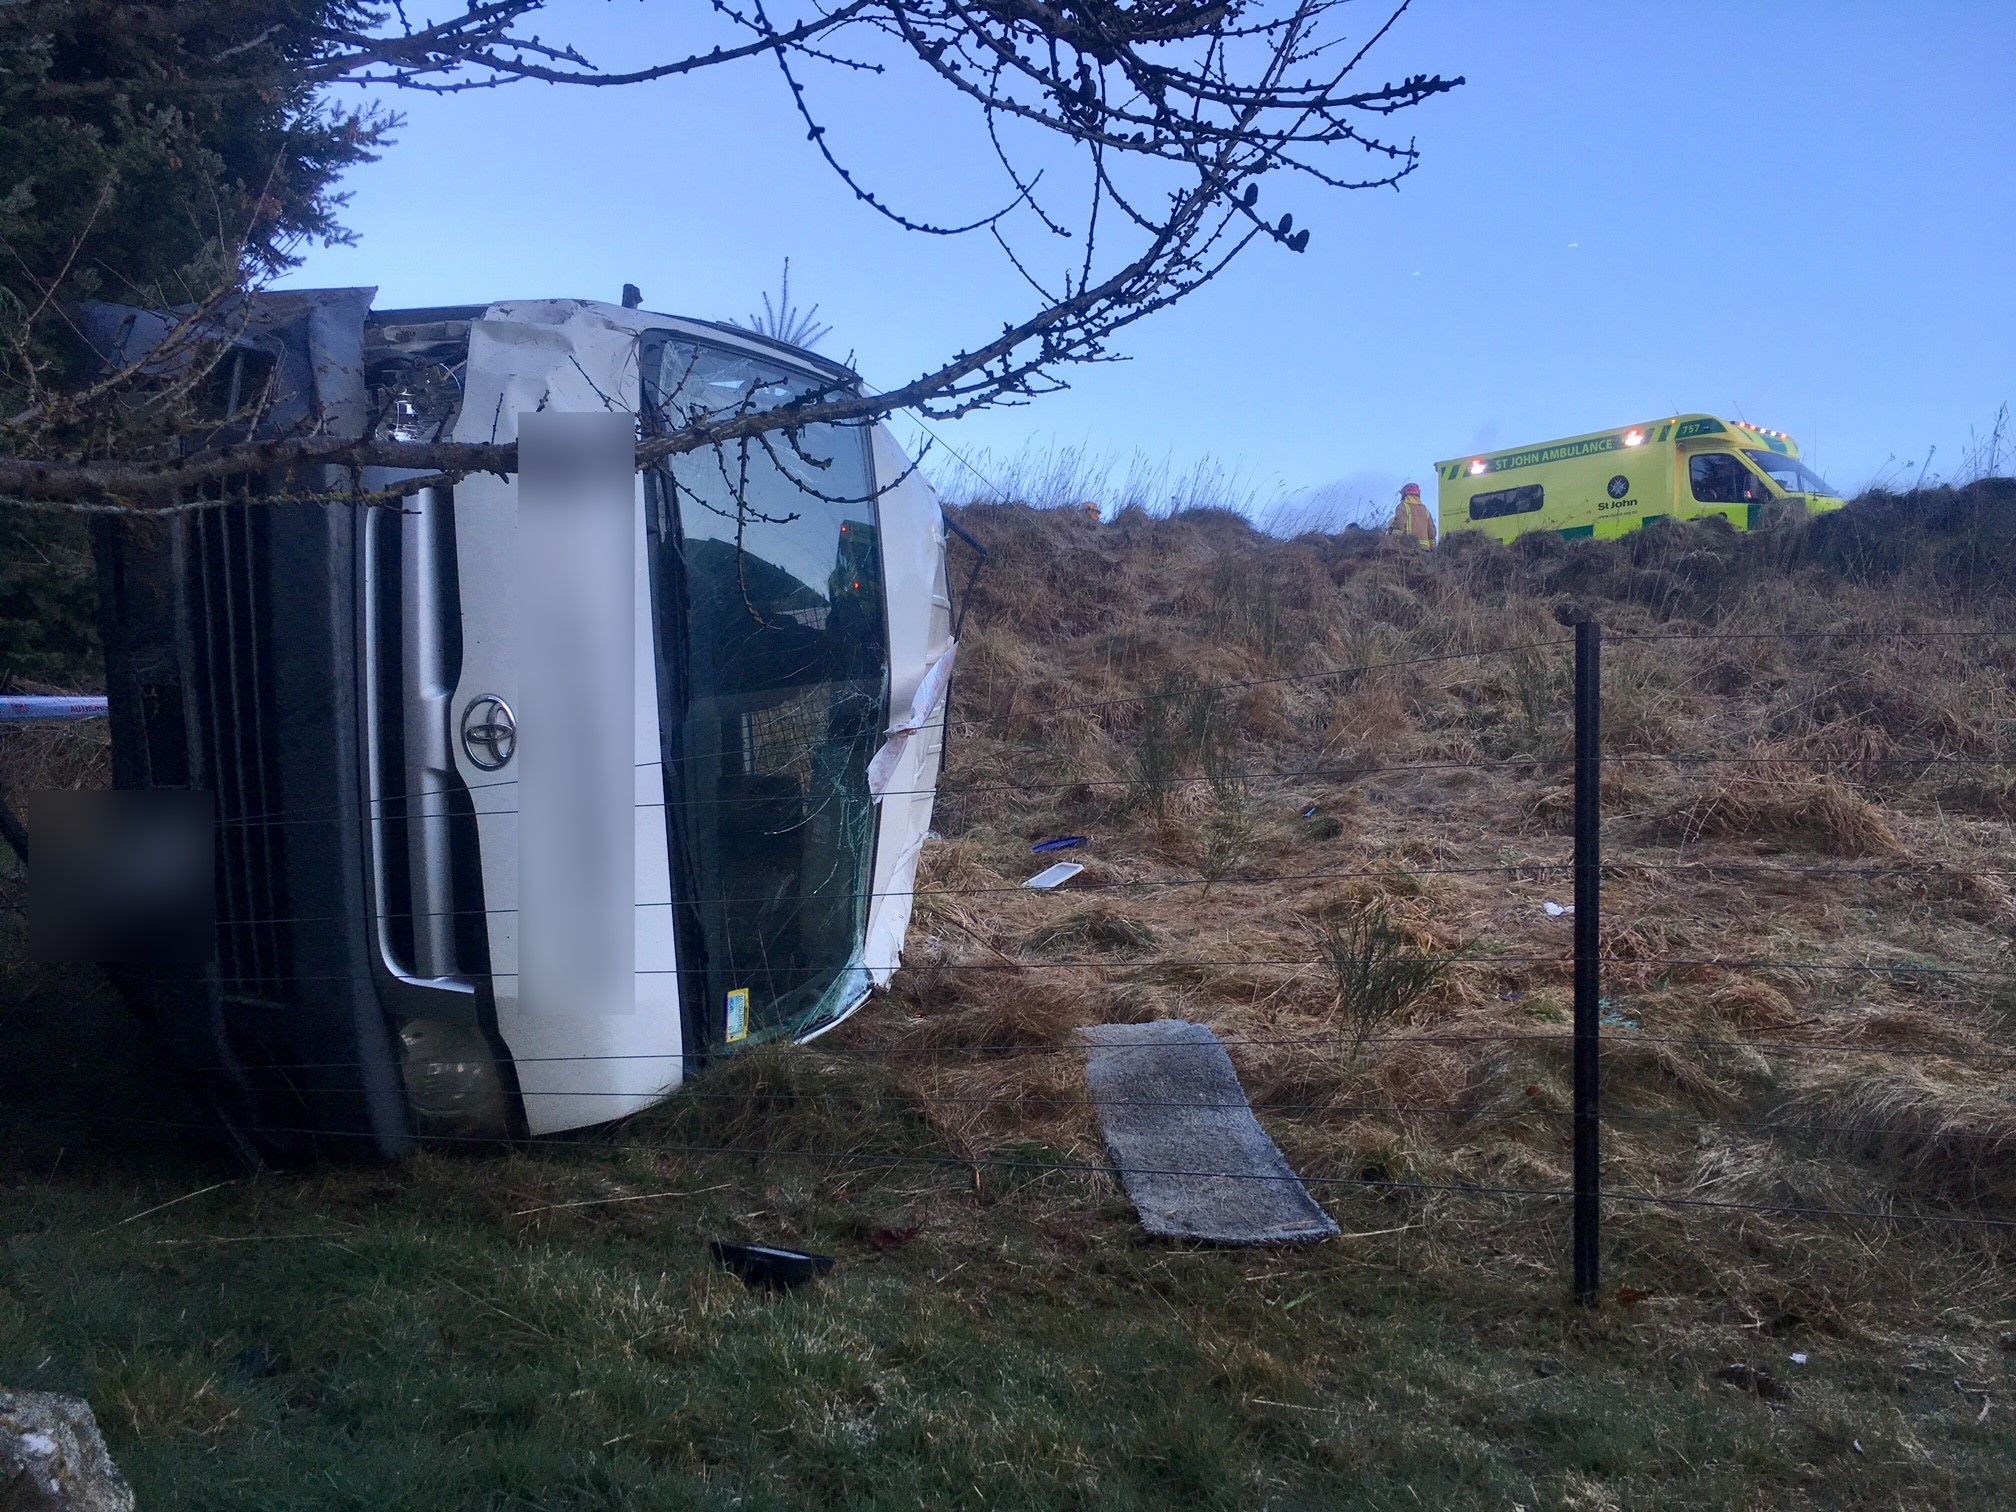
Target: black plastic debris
(768, 1267)
(1062, 842)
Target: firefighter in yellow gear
(1411, 517)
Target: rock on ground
(52, 1458)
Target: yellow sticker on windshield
(738, 1015)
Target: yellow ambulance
(1610, 482)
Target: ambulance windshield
(1790, 474)
(767, 589)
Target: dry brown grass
(1945, 1129)
(1428, 803)
(1791, 807)
(53, 756)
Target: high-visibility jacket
(1411, 517)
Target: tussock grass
(1788, 805)
(1990, 794)
(1098, 927)
(1941, 1129)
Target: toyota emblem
(489, 732)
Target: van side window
(1507, 501)
(1719, 478)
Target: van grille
(226, 559)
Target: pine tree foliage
(785, 322)
(150, 154)
(145, 149)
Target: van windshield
(1790, 474)
(767, 590)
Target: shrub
(1379, 975)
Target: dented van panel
(533, 795)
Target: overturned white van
(527, 806)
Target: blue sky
(1798, 213)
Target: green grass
(431, 1341)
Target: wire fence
(992, 1162)
(1599, 1036)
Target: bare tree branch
(1179, 111)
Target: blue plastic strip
(38, 708)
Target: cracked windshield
(768, 593)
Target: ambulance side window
(1507, 501)
(1719, 478)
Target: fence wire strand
(1620, 1040)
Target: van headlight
(454, 1088)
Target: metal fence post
(1588, 965)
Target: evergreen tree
(154, 154)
